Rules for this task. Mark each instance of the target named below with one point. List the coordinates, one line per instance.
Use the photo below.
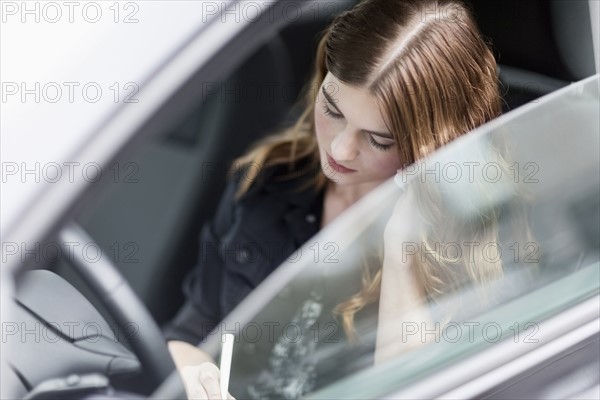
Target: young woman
(394, 80)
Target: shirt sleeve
(201, 311)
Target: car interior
(200, 150)
(151, 224)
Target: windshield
(474, 245)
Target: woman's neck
(350, 194)
(338, 199)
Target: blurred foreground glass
(497, 231)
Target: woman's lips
(337, 167)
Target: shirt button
(311, 219)
(242, 256)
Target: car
(116, 152)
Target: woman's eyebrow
(332, 102)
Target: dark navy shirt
(247, 239)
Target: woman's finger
(193, 386)
(209, 377)
(203, 382)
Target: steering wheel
(124, 306)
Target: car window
(501, 228)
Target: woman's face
(355, 145)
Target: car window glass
(503, 227)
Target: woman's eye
(379, 146)
(373, 142)
(331, 113)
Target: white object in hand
(226, 354)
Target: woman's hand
(200, 375)
(203, 381)
(401, 226)
(402, 297)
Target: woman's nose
(344, 146)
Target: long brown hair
(434, 78)
(423, 60)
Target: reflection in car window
(492, 228)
